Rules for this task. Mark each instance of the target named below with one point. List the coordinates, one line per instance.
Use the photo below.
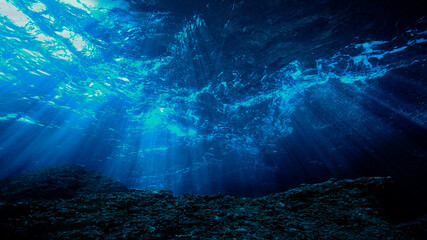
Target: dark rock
(61, 181)
(345, 209)
(417, 228)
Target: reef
(70, 202)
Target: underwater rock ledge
(70, 202)
(60, 181)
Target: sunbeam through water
(240, 97)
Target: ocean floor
(70, 202)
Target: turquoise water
(150, 98)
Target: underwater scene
(244, 98)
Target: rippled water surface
(198, 100)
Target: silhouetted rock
(417, 228)
(344, 209)
(61, 181)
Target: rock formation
(69, 202)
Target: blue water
(151, 102)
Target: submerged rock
(99, 208)
(61, 181)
